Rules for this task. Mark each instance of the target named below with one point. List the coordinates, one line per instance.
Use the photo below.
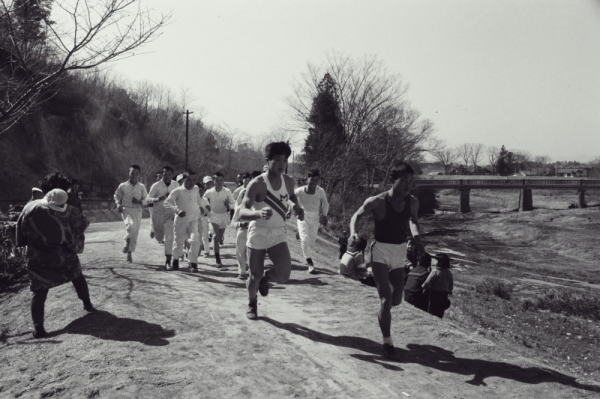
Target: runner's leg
(385, 291)
(257, 269)
(282, 263)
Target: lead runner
(264, 206)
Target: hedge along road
(176, 334)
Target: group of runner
(259, 209)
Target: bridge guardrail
(575, 184)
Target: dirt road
(164, 334)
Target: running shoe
(168, 266)
(129, 258)
(193, 268)
(252, 312)
(175, 264)
(312, 270)
(39, 332)
(263, 286)
(126, 246)
(88, 307)
(389, 352)
(207, 255)
(242, 276)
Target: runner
(129, 197)
(314, 200)
(264, 206)
(208, 184)
(220, 200)
(185, 202)
(162, 217)
(394, 212)
(203, 222)
(157, 178)
(241, 248)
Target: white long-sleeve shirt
(217, 199)
(127, 191)
(182, 199)
(158, 190)
(313, 202)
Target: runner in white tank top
(265, 207)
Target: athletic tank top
(393, 228)
(276, 200)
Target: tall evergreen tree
(326, 137)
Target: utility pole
(187, 126)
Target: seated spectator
(416, 277)
(343, 241)
(74, 199)
(439, 285)
(352, 264)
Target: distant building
(573, 172)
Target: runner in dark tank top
(394, 213)
(393, 228)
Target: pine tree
(503, 169)
(326, 137)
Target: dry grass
(558, 326)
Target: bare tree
(379, 125)
(446, 156)
(493, 154)
(540, 162)
(465, 152)
(476, 153)
(82, 36)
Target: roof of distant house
(571, 170)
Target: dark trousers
(438, 303)
(39, 299)
(343, 249)
(419, 301)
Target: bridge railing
(509, 183)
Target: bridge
(524, 184)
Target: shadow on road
(105, 325)
(437, 358)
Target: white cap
(179, 177)
(207, 179)
(35, 189)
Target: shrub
(491, 286)
(568, 302)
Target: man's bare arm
(247, 214)
(413, 223)
(367, 208)
(290, 185)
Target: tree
(504, 162)
(378, 123)
(476, 152)
(465, 152)
(493, 153)
(326, 136)
(446, 156)
(85, 35)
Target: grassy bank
(561, 326)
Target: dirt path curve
(175, 334)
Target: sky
(519, 73)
